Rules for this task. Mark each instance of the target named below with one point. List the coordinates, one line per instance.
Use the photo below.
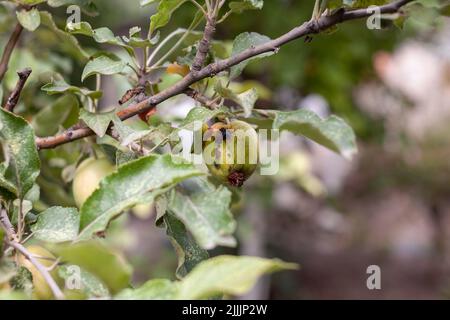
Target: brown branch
(205, 43)
(9, 49)
(204, 100)
(67, 136)
(15, 94)
(131, 93)
(307, 28)
(14, 243)
(7, 226)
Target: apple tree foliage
(69, 61)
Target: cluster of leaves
(193, 209)
(311, 68)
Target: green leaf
(136, 182)
(240, 6)
(82, 27)
(98, 122)
(88, 6)
(188, 251)
(47, 121)
(22, 281)
(165, 10)
(91, 286)
(23, 167)
(29, 19)
(128, 134)
(33, 195)
(243, 42)
(246, 100)
(123, 157)
(58, 86)
(68, 43)
(201, 114)
(100, 35)
(222, 275)
(204, 210)
(134, 40)
(103, 65)
(158, 289)
(4, 183)
(227, 275)
(99, 260)
(26, 207)
(332, 132)
(57, 224)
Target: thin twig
(176, 45)
(163, 43)
(199, 6)
(225, 16)
(28, 237)
(12, 241)
(15, 94)
(185, 32)
(43, 270)
(307, 28)
(204, 100)
(9, 49)
(54, 265)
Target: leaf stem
(200, 7)
(185, 32)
